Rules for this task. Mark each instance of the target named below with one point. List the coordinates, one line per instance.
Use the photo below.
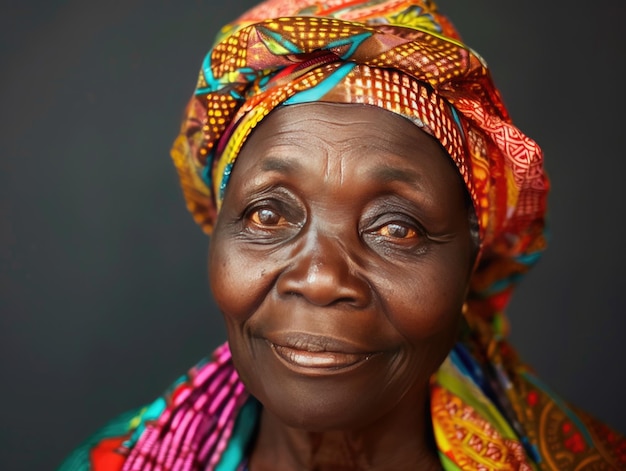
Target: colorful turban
(488, 410)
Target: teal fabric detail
(316, 93)
(501, 285)
(281, 41)
(206, 175)
(212, 83)
(151, 412)
(237, 446)
(227, 171)
(529, 259)
(354, 41)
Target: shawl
(488, 409)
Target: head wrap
(400, 55)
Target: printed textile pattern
(206, 421)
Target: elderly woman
(371, 206)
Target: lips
(316, 353)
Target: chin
(321, 414)
(330, 404)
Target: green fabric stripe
(451, 379)
(447, 464)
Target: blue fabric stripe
(316, 93)
(354, 41)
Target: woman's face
(340, 261)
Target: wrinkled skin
(340, 261)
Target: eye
(396, 230)
(273, 218)
(266, 217)
(269, 215)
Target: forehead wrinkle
(284, 153)
(297, 139)
(339, 151)
(302, 143)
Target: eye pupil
(396, 230)
(268, 217)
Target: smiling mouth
(307, 359)
(313, 355)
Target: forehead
(345, 137)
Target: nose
(324, 274)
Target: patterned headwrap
(488, 410)
(402, 56)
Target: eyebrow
(392, 174)
(272, 164)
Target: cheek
(427, 303)
(238, 283)
(227, 280)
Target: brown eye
(397, 231)
(266, 217)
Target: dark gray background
(103, 290)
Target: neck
(400, 440)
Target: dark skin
(341, 260)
